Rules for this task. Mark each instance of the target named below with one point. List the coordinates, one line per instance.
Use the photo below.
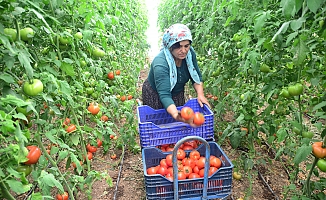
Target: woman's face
(182, 51)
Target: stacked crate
(157, 127)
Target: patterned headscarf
(177, 33)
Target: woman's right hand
(180, 119)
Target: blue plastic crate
(158, 187)
(157, 127)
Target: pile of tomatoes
(189, 167)
(189, 145)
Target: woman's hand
(202, 100)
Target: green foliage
(260, 49)
(54, 41)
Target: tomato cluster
(189, 145)
(188, 113)
(189, 167)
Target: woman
(170, 70)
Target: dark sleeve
(162, 81)
(195, 63)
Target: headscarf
(177, 33)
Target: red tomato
(99, 143)
(199, 119)
(180, 165)
(215, 162)
(170, 170)
(162, 170)
(123, 98)
(89, 156)
(71, 128)
(195, 169)
(168, 159)
(192, 143)
(212, 170)
(91, 148)
(111, 75)
(187, 170)
(117, 72)
(193, 175)
(33, 155)
(201, 172)
(169, 148)
(66, 122)
(169, 177)
(104, 118)
(194, 154)
(114, 156)
(181, 175)
(129, 97)
(187, 147)
(64, 196)
(187, 113)
(189, 162)
(151, 170)
(93, 108)
(181, 154)
(201, 162)
(163, 163)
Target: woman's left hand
(202, 100)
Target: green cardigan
(159, 77)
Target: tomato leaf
(25, 61)
(260, 21)
(319, 106)
(235, 139)
(302, 154)
(7, 78)
(48, 181)
(18, 187)
(314, 5)
(288, 8)
(296, 24)
(68, 68)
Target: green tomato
(321, 164)
(285, 93)
(89, 90)
(86, 84)
(295, 90)
(26, 34)
(296, 130)
(216, 72)
(12, 33)
(33, 88)
(78, 35)
(307, 134)
(83, 63)
(264, 68)
(63, 40)
(95, 95)
(27, 169)
(99, 53)
(92, 82)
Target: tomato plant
(33, 88)
(33, 155)
(187, 113)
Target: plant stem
(53, 163)
(306, 188)
(4, 192)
